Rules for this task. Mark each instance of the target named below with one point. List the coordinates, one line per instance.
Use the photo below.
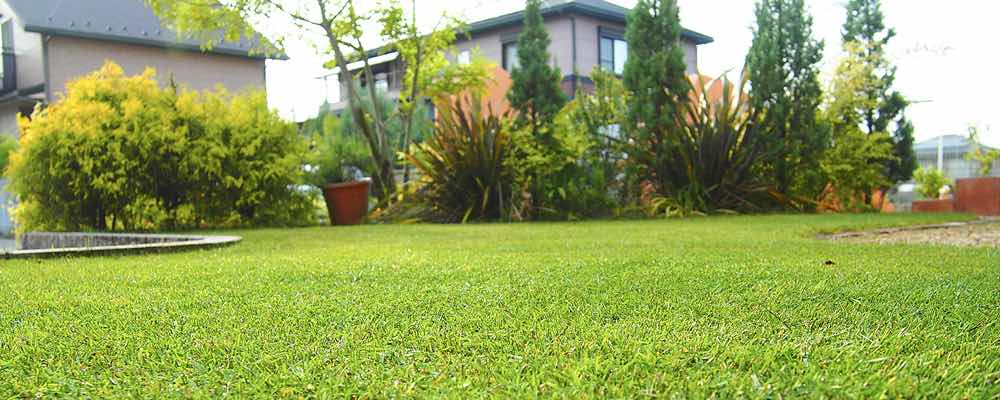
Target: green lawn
(723, 306)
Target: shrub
(463, 165)
(600, 118)
(552, 174)
(7, 146)
(121, 152)
(855, 168)
(929, 182)
(571, 170)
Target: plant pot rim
(346, 184)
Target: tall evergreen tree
(783, 71)
(865, 25)
(655, 73)
(536, 93)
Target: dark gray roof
(595, 8)
(124, 21)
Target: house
(585, 34)
(947, 153)
(47, 43)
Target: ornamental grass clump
(716, 150)
(463, 163)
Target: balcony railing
(8, 75)
(385, 81)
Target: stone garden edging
(48, 244)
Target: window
(7, 47)
(510, 56)
(7, 36)
(464, 57)
(613, 52)
(382, 83)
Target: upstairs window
(510, 60)
(613, 51)
(382, 83)
(7, 36)
(7, 79)
(464, 57)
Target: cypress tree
(865, 25)
(535, 93)
(782, 67)
(655, 73)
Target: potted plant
(931, 185)
(339, 164)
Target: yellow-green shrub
(121, 152)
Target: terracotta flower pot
(347, 203)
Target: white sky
(946, 54)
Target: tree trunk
(384, 182)
(414, 95)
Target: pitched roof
(123, 21)
(950, 143)
(595, 8)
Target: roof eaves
(150, 42)
(617, 15)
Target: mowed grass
(722, 306)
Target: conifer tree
(535, 93)
(655, 74)
(865, 26)
(782, 67)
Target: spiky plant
(462, 165)
(715, 150)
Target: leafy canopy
(856, 163)
(985, 157)
(337, 29)
(884, 110)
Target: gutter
(568, 7)
(46, 67)
(229, 51)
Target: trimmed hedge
(123, 153)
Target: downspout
(264, 73)
(45, 63)
(576, 75)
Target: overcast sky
(946, 54)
